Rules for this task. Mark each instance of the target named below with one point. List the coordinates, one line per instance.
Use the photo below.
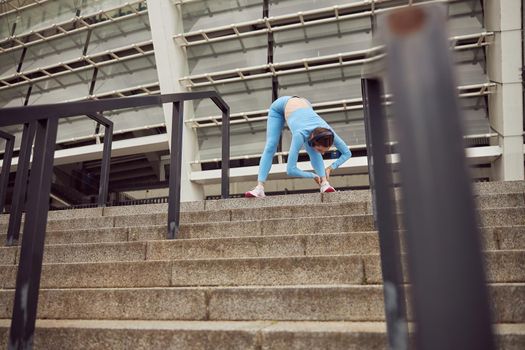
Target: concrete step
(82, 245)
(120, 234)
(224, 335)
(509, 237)
(206, 248)
(488, 195)
(235, 215)
(496, 187)
(204, 335)
(502, 266)
(509, 197)
(254, 271)
(278, 303)
(495, 238)
(114, 211)
(327, 224)
(505, 200)
(317, 210)
(150, 219)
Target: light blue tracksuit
(301, 123)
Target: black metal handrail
(24, 159)
(41, 122)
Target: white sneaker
(326, 188)
(257, 192)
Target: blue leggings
(274, 130)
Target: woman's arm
(293, 155)
(343, 148)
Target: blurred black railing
(449, 296)
(41, 123)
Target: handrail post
(6, 167)
(225, 171)
(31, 255)
(105, 166)
(20, 188)
(384, 202)
(369, 148)
(175, 169)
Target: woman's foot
(326, 188)
(257, 192)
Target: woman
(308, 130)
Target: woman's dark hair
(321, 137)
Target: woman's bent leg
(273, 133)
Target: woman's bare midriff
(294, 104)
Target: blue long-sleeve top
(301, 123)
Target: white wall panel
(13, 97)
(227, 55)
(238, 102)
(52, 12)
(126, 74)
(70, 47)
(245, 87)
(5, 26)
(119, 34)
(38, 17)
(75, 127)
(67, 87)
(322, 40)
(325, 82)
(207, 14)
(322, 91)
(244, 139)
(133, 118)
(465, 17)
(284, 7)
(470, 67)
(9, 62)
(50, 53)
(94, 6)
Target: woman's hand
(328, 171)
(318, 180)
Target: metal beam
(26, 114)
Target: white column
(165, 21)
(504, 61)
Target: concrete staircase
(286, 272)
